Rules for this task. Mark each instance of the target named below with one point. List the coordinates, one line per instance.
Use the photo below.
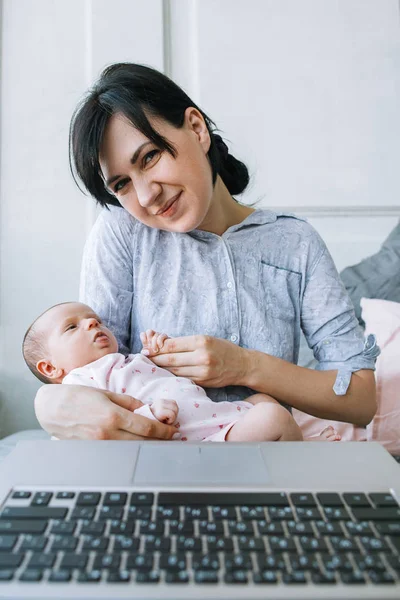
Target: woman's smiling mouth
(170, 208)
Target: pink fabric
(383, 319)
(199, 418)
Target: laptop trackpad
(179, 464)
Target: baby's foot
(329, 434)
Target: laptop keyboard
(201, 538)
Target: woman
(232, 286)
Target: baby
(69, 344)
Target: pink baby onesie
(199, 419)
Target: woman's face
(161, 191)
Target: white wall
(307, 93)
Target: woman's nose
(147, 193)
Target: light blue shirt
(258, 285)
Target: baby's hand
(165, 411)
(152, 341)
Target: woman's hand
(86, 413)
(208, 361)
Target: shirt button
(234, 338)
(229, 284)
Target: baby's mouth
(100, 334)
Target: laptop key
(206, 577)
(139, 512)
(83, 512)
(303, 499)
(353, 578)
(309, 544)
(31, 575)
(359, 499)
(377, 514)
(265, 577)
(236, 577)
(161, 544)
(329, 499)
(123, 542)
(381, 577)
(21, 495)
(216, 543)
(223, 512)
(119, 577)
(173, 562)
(33, 512)
(177, 527)
(7, 542)
(63, 527)
(281, 544)
(64, 542)
(96, 543)
(383, 500)
(42, 561)
(168, 512)
(115, 499)
(270, 562)
(223, 498)
(11, 561)
(281, 513)
(250, 544)
(324, 578)
(216, 527)
(70, 560)
(145, 499)
(6, 574)
(249, 513)
(294, 577)
(300, 528)
(33, 542)
(65, 495)
(88, 499)
(360, 528)
(205, 562)
(93, 576)
(336, 562)
(343, 544)
(122, 527)
(369, 561)
(177, 577)
(237, 528)
(303, 562)
(110, 512)
(60, 576)
(331, 528)
(22, 526)
(373, 544)
(275, 528)
(388, 528)
(189, 544)
(196, 513)
(142, 562)
(308, 514)
(92, 527)
(107, 561)
(241, 562)
(394, 562)
(336, 513)
(147, 577)
(41, 498)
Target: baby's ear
(48, 370)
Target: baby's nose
(92, 323)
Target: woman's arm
(311, 391)
(79, 412)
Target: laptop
(109, 519)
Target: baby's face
(75, 336)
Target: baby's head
(65, 337)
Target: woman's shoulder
(292, 240)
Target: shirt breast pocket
(280, 293)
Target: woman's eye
(72, 326)
(149, 157)
(120, 185)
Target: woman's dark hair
(136, 91)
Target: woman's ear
(48, 370)
(196, 123)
